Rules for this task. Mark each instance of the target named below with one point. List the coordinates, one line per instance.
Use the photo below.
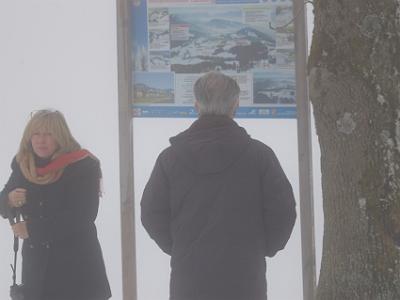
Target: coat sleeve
(82, 190)
(279, 206)
(155, 208)
(5, 210)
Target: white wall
(62, 54)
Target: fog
(62, 54)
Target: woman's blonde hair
(54, 122)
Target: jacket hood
(211, 144)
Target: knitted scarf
(53, 170)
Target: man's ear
(196, 105)
(235, 107)
(237, 103)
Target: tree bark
(354, 73)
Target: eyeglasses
(43, 112)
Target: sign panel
(174, 42)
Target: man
(218, 202)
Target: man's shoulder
(261, 147)
(265, 156)
(165, 153)
(167, 156)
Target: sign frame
(127, 163)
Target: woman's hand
(20, 230)
(17, 197)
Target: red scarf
(62, 161)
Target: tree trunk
(354, 71)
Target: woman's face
(43, 143)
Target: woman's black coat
(218, 202)
(62, 258)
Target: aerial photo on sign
(217, 39)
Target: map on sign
(174, 42)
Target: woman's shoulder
(14, 164)
(88, 164)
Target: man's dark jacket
(62, 258)
(218, 202)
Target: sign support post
(128, 236)
(305, 153)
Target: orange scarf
(53, 171)
(62, 161)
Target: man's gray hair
(216, 94)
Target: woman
(55, 186)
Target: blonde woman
(55, 186)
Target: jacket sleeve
(155, 208)
(5, 210)
(82, 190)
(279, 206)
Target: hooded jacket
(218, 202)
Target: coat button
(41, 203)
(31, 246)
(46, 245)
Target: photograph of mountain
(150, 88)
(284, 16)
(160, 60)
(285, 58)
(158, 16)
(159, 38)
(139, 35)
(285, 40)
(276, 86)
(217, 39)
(284, 30)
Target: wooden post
(128, 238)
(305, 153)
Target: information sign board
(174, 42)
